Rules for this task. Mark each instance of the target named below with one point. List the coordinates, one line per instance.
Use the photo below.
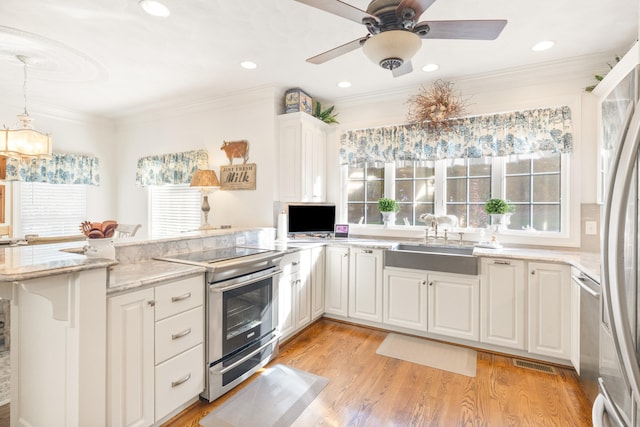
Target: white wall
(203, 125)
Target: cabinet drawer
(290, 263)
(179, 296)
(178, 380)
(177, 333)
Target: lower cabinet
(404, 296)
(365, 284)
(550, 309)
(336, 280)
(503, 302)
(453, 309)
(317, 282)
(155, 351)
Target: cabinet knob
(424, 282)
(151, 303)
(533, 272)
(430, 283)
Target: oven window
(247, 314)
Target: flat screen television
(312, 218)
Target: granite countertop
(124, 277)
(31, 262)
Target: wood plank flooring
(366, 389)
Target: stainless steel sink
(450, 259)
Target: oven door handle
(223, 288)
(276, 337)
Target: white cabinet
(503, 302)
(365, 284)
(303, 140)
(294, 293)
(550, 309)
(317, 282)
(405, 298)
(155, 351)
(336, 280)
(454, 302)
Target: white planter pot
(388, 218)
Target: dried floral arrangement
(436, 107)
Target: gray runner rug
(274, 399)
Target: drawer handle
(367, 251)
(181, 297)
(295, 263)
(181, 334)
(182, 380)
(501, 262)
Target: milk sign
(240, 176)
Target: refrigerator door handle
(604, 405)
(615, 217)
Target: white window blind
(173, 209)
(51, 209)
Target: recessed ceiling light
(344, 84)
(248, 65)
(544, 45)
(155, 8)
(430, 67)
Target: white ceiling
(105, 57)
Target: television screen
(312, 218)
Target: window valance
(60, 169)
(172, 168)
(519, 132)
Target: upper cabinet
(303, 142)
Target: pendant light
(24, 140)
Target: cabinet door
(336, 280)
(313, 163)
(405, 299)
(290, 164)
(365, 284)
(550, 309)
(130, 366)
(286, 309)
(303, 291)
(502, 305)
(454, 303)
(317, 282)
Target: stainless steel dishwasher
(589, 331)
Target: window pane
(547, 164)
(375, 173)
(356, 211)
(520, 219)
(356, 173)
(479, 189)
(460, 211)
(425, 190)
(456, 190)
(175, 209)
(517, 188)
(478, 217)
(546, 217)
(373, 214)
(457, 168)
(406, 211)
(404, 172)
(355, 191)
(425, 172)
(404, 191)
(546, 188)
(517, 166)
(478, 167)
(375, 189)
(422, 209)
(52, 209)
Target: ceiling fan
(394, 33)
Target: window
(535, 184)
(173, 209)
(50, 209)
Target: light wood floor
(366, 389)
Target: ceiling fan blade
(466, 30)
(337, 51)
(340, 8)
(405, 68)
(418, 6)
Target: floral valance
(60, 169)
(519, 132)
(173, 168)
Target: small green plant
(327, 115)
(599, 77)
(387, 205)
(498, 206)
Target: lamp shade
(204, 178)
(386, 48)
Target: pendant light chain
(24, 88)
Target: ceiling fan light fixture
(155, 8)
(391, 49)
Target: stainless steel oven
(241, 313)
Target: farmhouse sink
(449, 259)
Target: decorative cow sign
(236, 150)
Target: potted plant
(500, 211)
(388, 208)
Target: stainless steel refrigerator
(618, 401)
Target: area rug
(274, 399)
(458, 360)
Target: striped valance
(59, 169)
(172, 168)
(519, 132)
